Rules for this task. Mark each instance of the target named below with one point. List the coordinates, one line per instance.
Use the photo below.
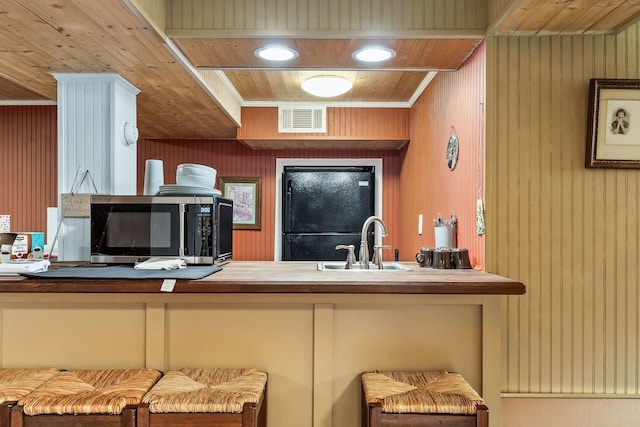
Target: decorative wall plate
(452, 150)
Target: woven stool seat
(206, 397)
(90, 392)
(17, 383)
(206, 390)
(416, 394)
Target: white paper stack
(5, 223)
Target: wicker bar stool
(428, 398)
(206, 397)
(16, 384)
(88, 398)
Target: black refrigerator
(323, 207)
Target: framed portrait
(613, 139)
(246, 194)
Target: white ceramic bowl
(195, 169)
(196, 181)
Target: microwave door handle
(103, 234)
(183, 214)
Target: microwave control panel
(199, 230)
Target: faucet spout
(364, 248)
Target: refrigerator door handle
(289, 207)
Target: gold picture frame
(613, 139)
(246, 193)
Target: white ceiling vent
(308, 119)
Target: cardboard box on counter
(28, 245)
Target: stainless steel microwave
(129, 229)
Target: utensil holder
(445, 237)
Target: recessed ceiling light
(326, 86)
(276, 53)
(373, 54)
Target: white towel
(161, 264)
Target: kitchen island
(313, 331)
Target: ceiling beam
(211, 83)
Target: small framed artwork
(613, 139)
(246, 194)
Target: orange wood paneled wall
(453, 100)
(415, 177)
(231, 158)
(28, 165)
(342, 124)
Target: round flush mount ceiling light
(276, 53)
(326, 86)
(373, 54)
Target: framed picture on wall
(246, 194)
(613, 139)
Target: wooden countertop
(290, 277)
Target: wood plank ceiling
(40, 37)
(257, 80)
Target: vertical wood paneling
(28, 165)
(496, 7)
(339, 15)
(231, 158)
(427, 186)
(570, 233)
(155, 9)
(92, 109)
(342, 123)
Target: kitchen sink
(340, 266)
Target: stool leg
(364, 419)
(261, 409)
(5, 414)
(249, 415)
(128, 416)
(142, 415)
(371, 413)
(482, 416)
(17, 416)
(255, 414)
(375, 415)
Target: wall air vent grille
(302, 119)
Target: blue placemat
(192, 272)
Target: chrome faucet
(351, 257)
(364, 249)
(377, 255)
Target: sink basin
(340, 266)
